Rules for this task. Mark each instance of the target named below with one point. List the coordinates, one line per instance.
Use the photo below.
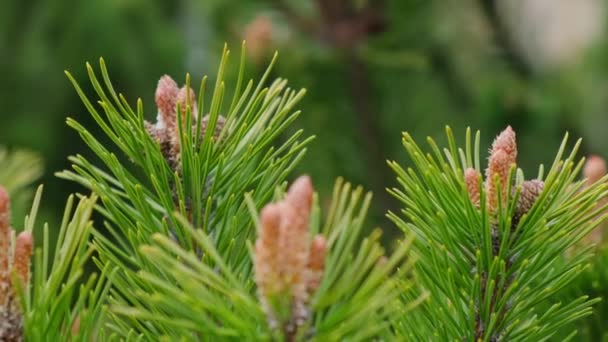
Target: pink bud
(286, 263)
(594, 169)
(266, 251)
(187, 98)
(300, 193)
(530, 191)
(166, 99)
(4, 200)
(316, 263)
(506, 141)
(5, 239)
(503, 155)
(23, 253)
(471, 180)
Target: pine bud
(258, 35)
(166, 100)
(219, 126)
(160, 135)
(266, 262)
(506, 141)
(594, 169)
(316, 263)
(21, 265)
(530, 191)
(165, 131)
(5, 238)
(186, 99)
(76, 326)
(471, 180)
(294, 238)
(11, 320)
(497, 173)
(23, 254)
(502, 156)
(162, 130)
(288, 266)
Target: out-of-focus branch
(344, 28)
(368, 127)
(503, 39)
(453, 83)
(303, 24)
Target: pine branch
(202, 177)
(55, 300)
(491, 255)
(355, 298)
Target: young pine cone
(288, 266)
(530, 190)
(471, 180)
(11, 319)
(503, 155)
(166, 131)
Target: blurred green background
(372, 69)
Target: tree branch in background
(303, 24)
(369, 130)
(452, 82)
(502, 38)
(344, 28)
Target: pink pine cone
(286, 262)
(503, 155)
(166, 100)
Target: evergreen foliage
(18, 170)
(162, 262)
(62, 300)
(490, 269)
(201, 239)
(592, 282)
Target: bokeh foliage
(423, 63)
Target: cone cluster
(503, 157)
(14, 260)
(169, 97)
(288, 265)
(498, 186)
